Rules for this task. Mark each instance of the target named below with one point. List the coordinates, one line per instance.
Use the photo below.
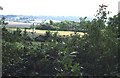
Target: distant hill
(30, 17)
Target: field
(42, 32)
(18, 24)
(45, 51)
(13, 25)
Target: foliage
(62, 26)
(94, 54)
(45, 27)
(51, 22)
(114, 23)
(2, 21)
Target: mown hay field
(42, 32)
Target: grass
(42, 32)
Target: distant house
(119, 7)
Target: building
(119, 7)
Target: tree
(114, 22)
(2, 22)
(102, 12)
(1, 8)
(51, 22)
(98, 53)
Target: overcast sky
(56, 7)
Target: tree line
(94, 54)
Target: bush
(45, 27)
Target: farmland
(42, 32)
(43, 52)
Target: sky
(56, 7)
